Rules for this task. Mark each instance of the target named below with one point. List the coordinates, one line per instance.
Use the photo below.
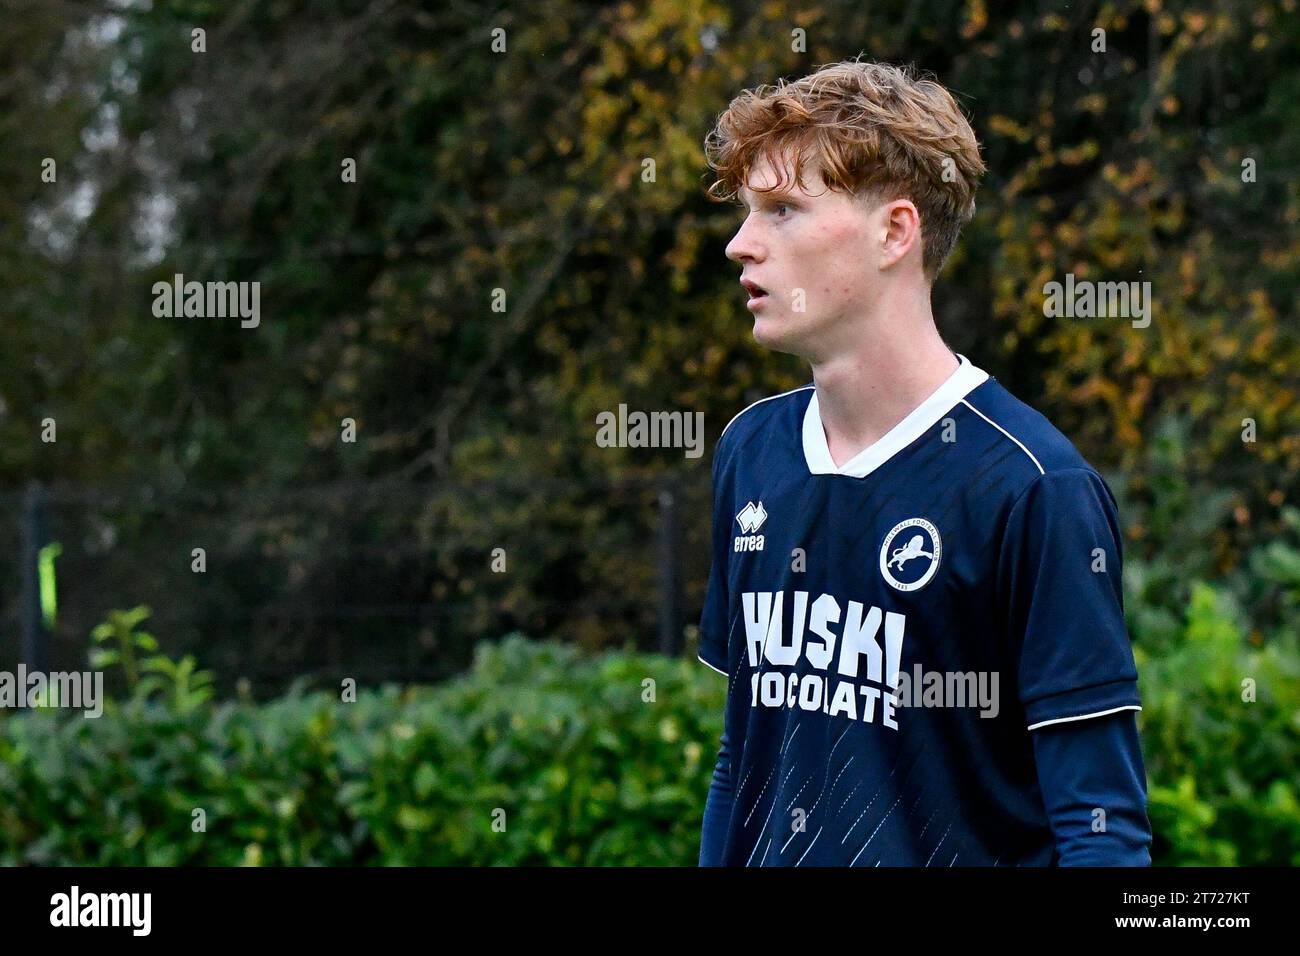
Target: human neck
(864, 392)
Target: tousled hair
(873, 129)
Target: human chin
(776, 333)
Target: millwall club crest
(750, 519)
(910, 555)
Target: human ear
(900, 230)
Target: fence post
(36, 638)
(670, 625)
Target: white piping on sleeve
(1007, 433)
(1061, 720)
(707, 664)
(760, 402)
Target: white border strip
(1061, 720)
(710, 666)
(1005, 432)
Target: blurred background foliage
(525, 171)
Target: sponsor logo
(846, 661)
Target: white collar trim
(818, 454)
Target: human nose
(745, 244)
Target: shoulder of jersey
(754, 416)
(1042, 445)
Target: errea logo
(750, 519)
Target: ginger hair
(873, 130)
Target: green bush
(589, 762)
(1221, 734)
(586, 761)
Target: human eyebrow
(770, 196)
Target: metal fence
(376, 581)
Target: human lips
(756, 291)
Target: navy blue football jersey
(894, 629)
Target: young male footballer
(915, 594)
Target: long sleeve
(717, 809)
(1090, 765)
